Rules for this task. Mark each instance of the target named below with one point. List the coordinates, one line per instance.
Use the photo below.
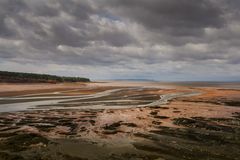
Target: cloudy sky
(122, 39)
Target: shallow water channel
(110, 99)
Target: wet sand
(120, 120)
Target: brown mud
(199, 127)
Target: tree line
(6, 76)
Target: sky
(166, 40)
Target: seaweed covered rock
(23, 141)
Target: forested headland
(19, 77)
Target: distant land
(136, 80)
(19, 77)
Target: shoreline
(170, 129)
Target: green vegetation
(19, 77)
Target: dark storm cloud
(80, 9)
(8, 8)
(62, 34)
(11, 7)
(185, 17)
(4, 31)
(130, 35)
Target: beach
(120, 120)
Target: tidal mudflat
(120, 120)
